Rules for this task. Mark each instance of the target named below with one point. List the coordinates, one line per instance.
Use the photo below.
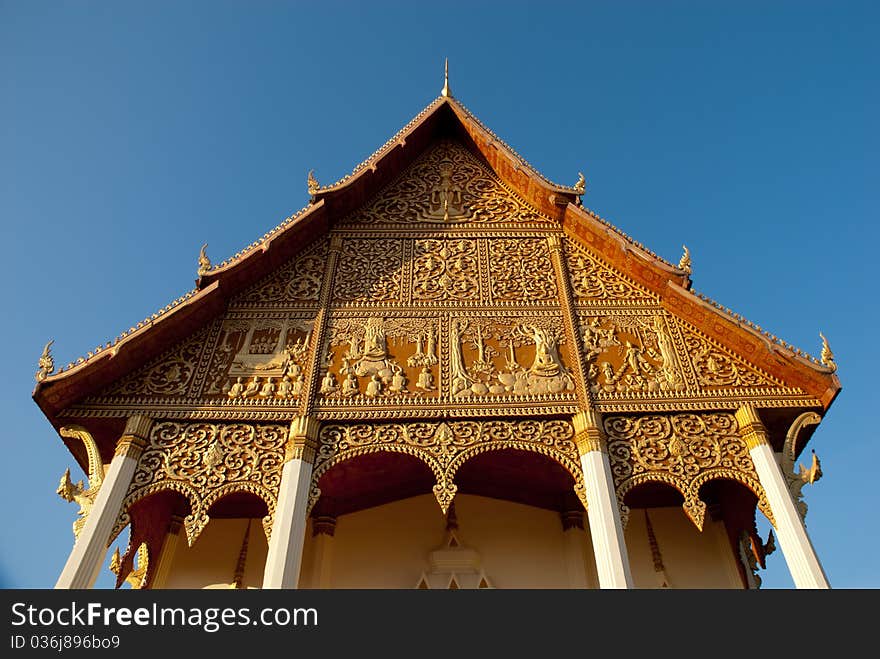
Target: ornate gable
(453, 289)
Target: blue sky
(131, 133)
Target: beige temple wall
(213, 558)
(387, 546)
(691, 559)
(520, 547)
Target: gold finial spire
(445, 91)
(204, 261)
(581, 185)
(46, 363)
(685, 262)
(313, 184)
(827, 357)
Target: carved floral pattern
(521, 270)
(594, 282)
(445, 270)
(369, 270)
(716, 367)
(205, 462)
(299, 281)
(682, 450)
(169, 375)
(445, 447)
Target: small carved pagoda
(442, 325)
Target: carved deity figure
(328, 384)
(426, 379)
(375, 352)
(350, 385)
(252, 389)
(296, 386)
(284, 388)
(374, 386)
(446, 198)
(236, 389)
(461, 381)
(398, 380)
(268, 388)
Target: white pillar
(323, 530)
(90, 548)
(612, 562)
(166, 554)
(574, 541)
(803, 563)
(284, 559)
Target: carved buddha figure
(446, 198)
(375, 352)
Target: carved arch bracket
(445, 447)
(685, 451)
(206, 462)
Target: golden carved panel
(508, 355)
(718, 368)
(170, 375)
(683, 450)
(446, 185)
(595, 283)
(260, 357)
(445, 447)
(395, 359)
(632, 353)
(374, 359)
(445, 270)
(369, 271)
(206, 461)
(297, 283)
(521, 271)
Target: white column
(323, 530)
(284, 559)
(574, 541)
(90, 548)
(803, 563)
(166, 554)
(609, 548)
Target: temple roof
(444, 117)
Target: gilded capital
(751, 428)
(555, 242)
(130, 446)
(588, 432)
(335, 244)
(302, 440)
(138, 425)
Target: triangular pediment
(448, 186)
(438, 277)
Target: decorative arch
(682, 450)
(205, 462)
(444, 447)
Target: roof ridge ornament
(312, 183)
(581, 186)
(46, 363)
(685, 262)
(827, 357)
(204, 261)
(445, 91)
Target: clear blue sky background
(131, 133)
